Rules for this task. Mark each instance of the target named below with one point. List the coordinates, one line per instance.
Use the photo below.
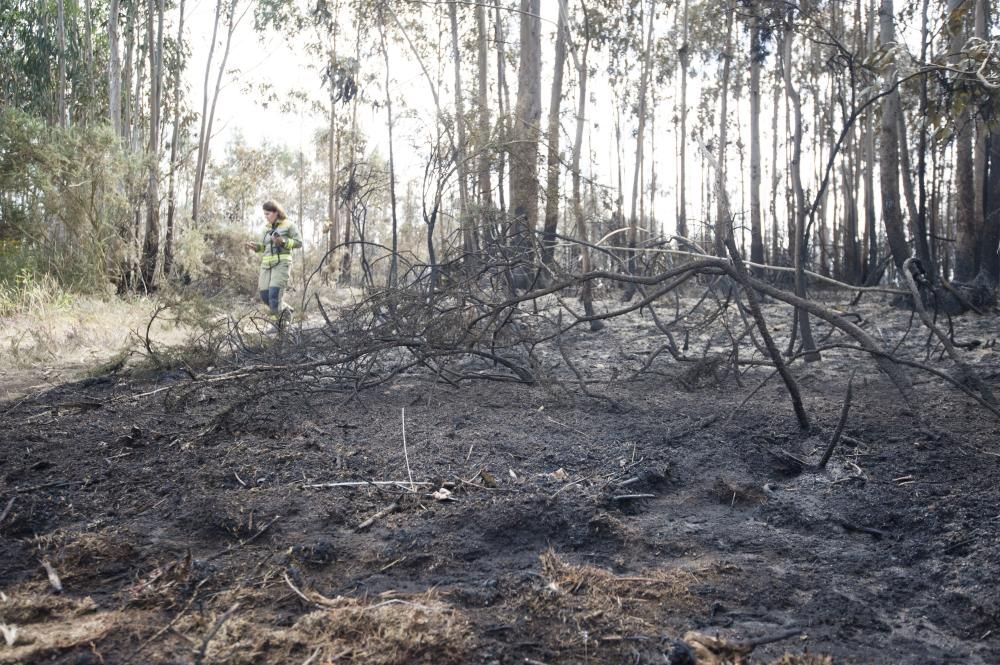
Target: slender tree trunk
(965, 172)
(920, 233)
(61, 41)
(775, 175)
(756, 55)
(552, 160)
(685, 59)
(394, 261)
(203, 131)
(989, 259)
(168, 242)
(980, 152)
(114, 70)
(483, 176)
(799, 244)
(88, 44)
(633, 219)
(892, 215)
(151, 241)
(723, 223)
(586, 293)
(461, 164)
(503, 105)
(524, 151)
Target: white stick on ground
(406, 455)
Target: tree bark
(527, 114)
(461, 165)
(151, 241)
(892, 214)
(756, 55)
(640, 139)
(114, 70)
(553, 166)
(685, 59)
(723, 221)
(61, 43)
(168, 242)
(483, 175)
(965, 207)
(799, 240)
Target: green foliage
(65, 208)
(29, 59)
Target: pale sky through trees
(282, 65)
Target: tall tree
(684, 60)
(553, 166)
(892, 215)
(483, 110)
(640, 138)
(965, 207)
(151, 241)
(527, 114)
(799, 235)
(114, 69)
(756, 59)
(460, 157)
(723, 223)
(168, 241)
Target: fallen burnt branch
(499, 317)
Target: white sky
(273, 60)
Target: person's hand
(249, 244)
(277, 240)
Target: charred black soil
(190, 522)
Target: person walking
(279, 238)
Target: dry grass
(417, 629)
(35, 623)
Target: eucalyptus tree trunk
(989, 259)
(524, 144)
(756, 55)
(347, 257)
(685, 60)
(61, 42)
(580, 64)
(394, 260)
(461, 165)
(207, 109)
(980, 156)
(775, 174)
(151, 241)
(633, 218)
(799, 244)
(965, 207)
(114, 70)
(870, 232)
(483, 169)
(921, 238)
(168, 241)
(88, 37)
(503, 104)
(723, 223)
(892, 215)
(552, 161)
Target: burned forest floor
(595, 516)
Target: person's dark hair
(271, 206)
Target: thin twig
(6, 510)
(379, 515)
(406, 455)
(840, 425)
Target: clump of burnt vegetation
(500, 315)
